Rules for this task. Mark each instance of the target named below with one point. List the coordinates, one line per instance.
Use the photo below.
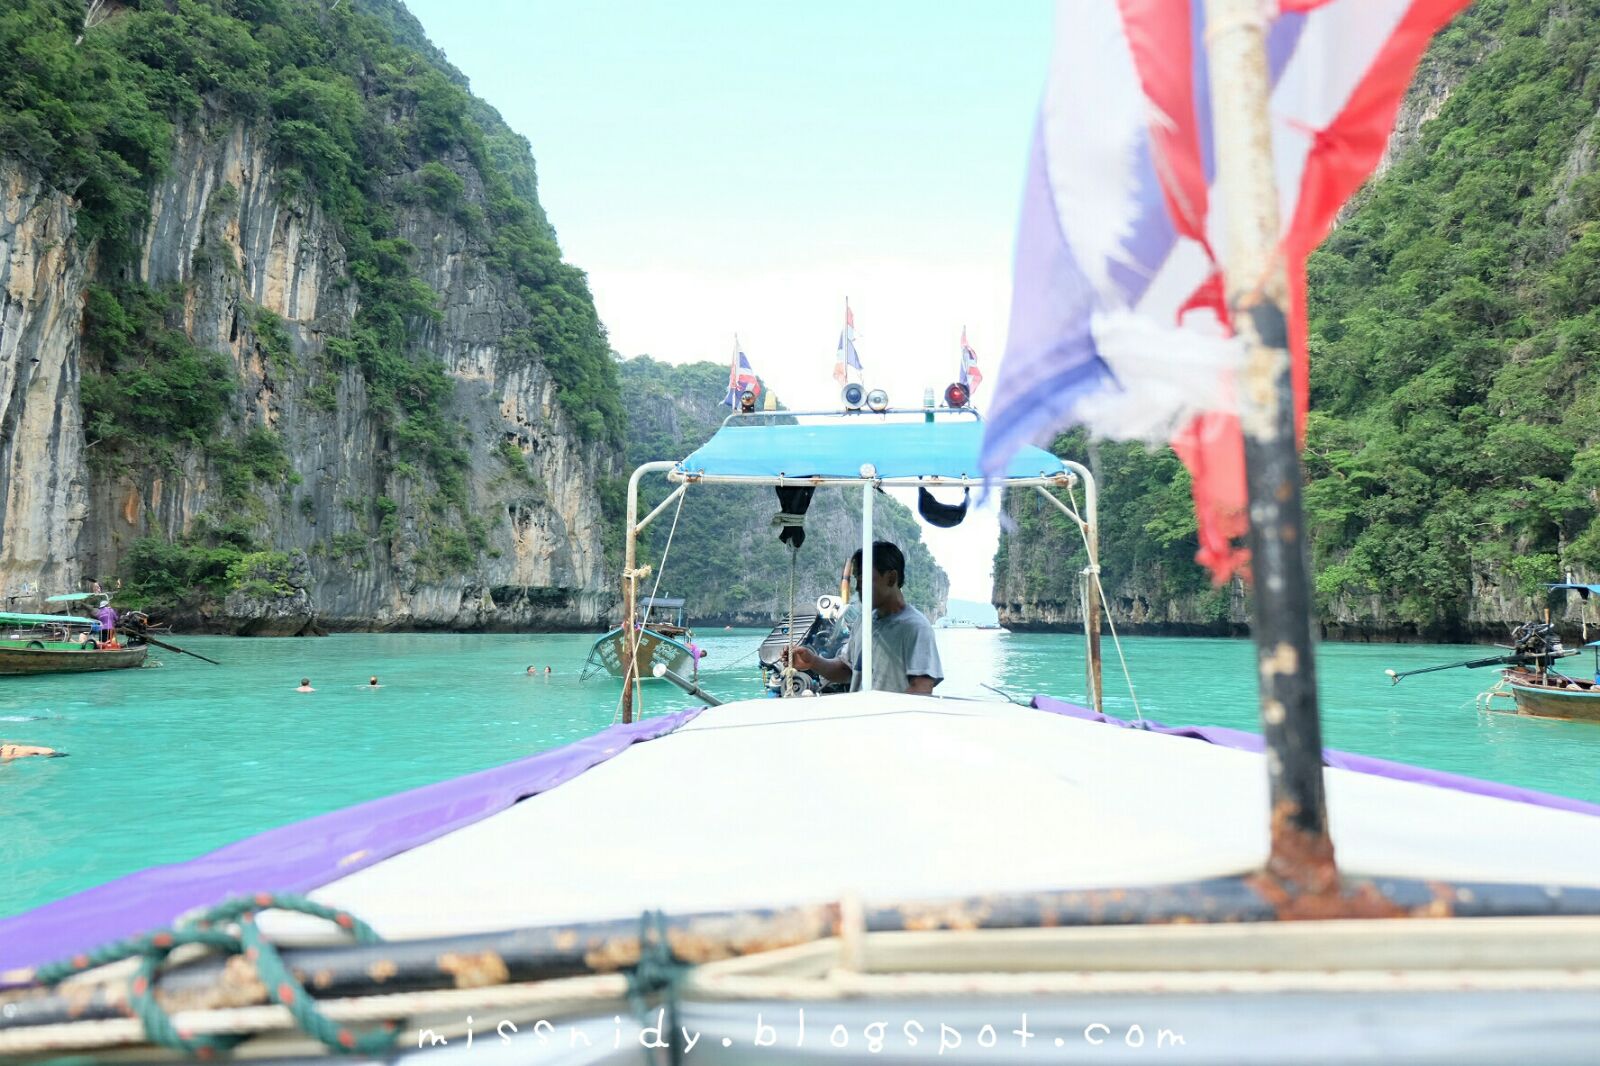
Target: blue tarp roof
(1582, 590)
(8, 618)
(839, 448)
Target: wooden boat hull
(654, 647)
(1541, 700)
(25, 660)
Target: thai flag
(1117, 317)
(846, 356)
(740, 377)
(971, 376)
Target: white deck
(773, 802)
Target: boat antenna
(1302, 858)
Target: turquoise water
(168, 763)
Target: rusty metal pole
(1302, 851)
(630, 606)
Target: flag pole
(1302, 859)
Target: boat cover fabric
(839, 448)
(1339, 760)
(891, 798)
(303, 855)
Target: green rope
(282, 987)
(658, 972)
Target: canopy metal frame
(868, 481)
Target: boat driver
(905, 657)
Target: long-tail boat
(658, 635)
(54, 644)
(1529, 677)
(925, 878)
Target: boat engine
(1537, 644)
(822, 631)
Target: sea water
(167, 763)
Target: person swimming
(372, 682)
(547, 671)
(305, 685)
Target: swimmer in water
(372, 682)
(305, 685)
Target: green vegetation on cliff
(367, 122)
(725, 557)
(1456, 331)
(1454, 438)
(349, 94)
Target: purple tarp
(303, 855)
(1339, 760)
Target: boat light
(747, 401)
(957, 395)
(854, 395)
(878, 400)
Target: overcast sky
(743, 167)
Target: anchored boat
(52, 643)
(658, 637)
(1529, 679)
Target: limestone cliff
(480, 508)
(44, 490)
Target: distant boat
(662, 640)
(1553, 695)
(967, 623)
(1528, 675)
(56, 643)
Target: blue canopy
(837, 449)
(8, 618)
(1581, 590)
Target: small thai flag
(740, 376)
(971, 376)
(846, 356)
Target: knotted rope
(658, 972)
(206, 928)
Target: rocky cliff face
(243, 249)
(44, 490)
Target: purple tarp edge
(303, 855)
(1339, 760)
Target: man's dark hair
(886, 557)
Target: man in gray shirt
(905, 657)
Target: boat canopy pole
(1302, 859)
(865, 577)
(630, 599)
(662, 506)
(1090, 528)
